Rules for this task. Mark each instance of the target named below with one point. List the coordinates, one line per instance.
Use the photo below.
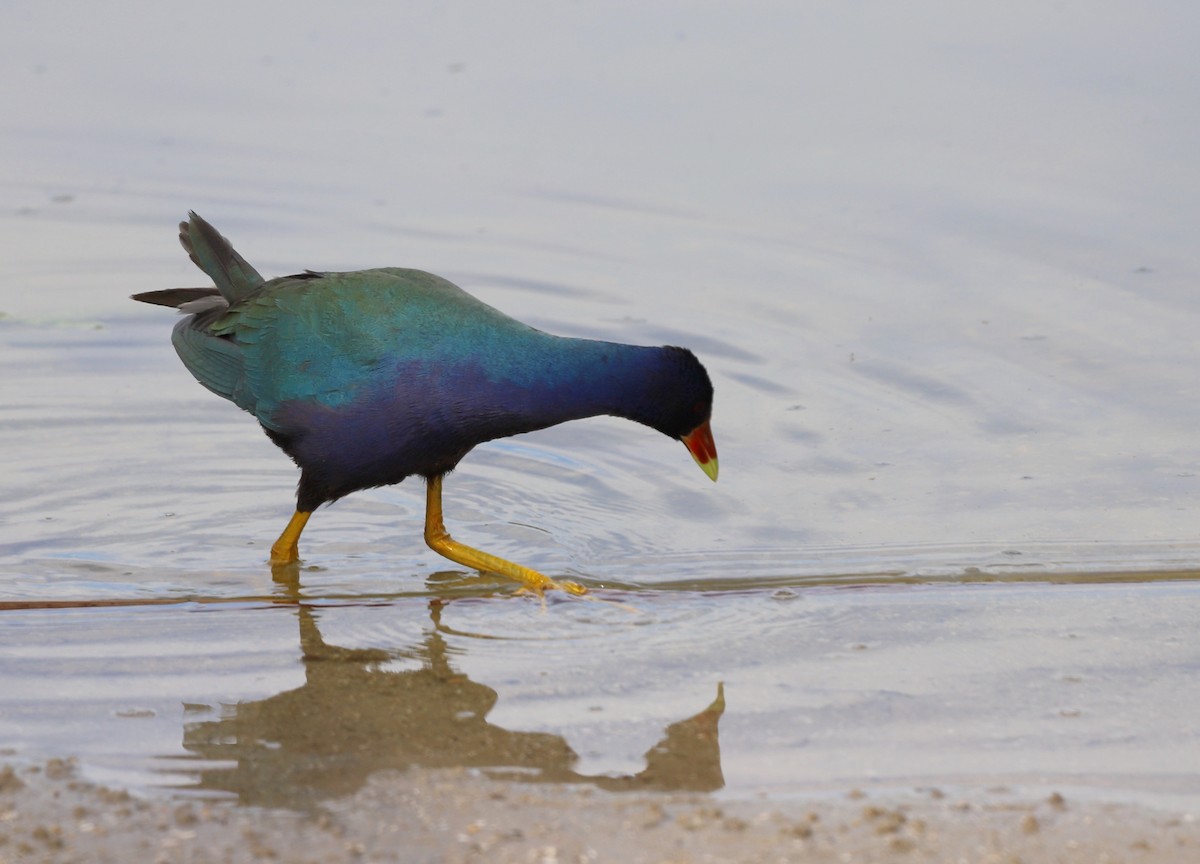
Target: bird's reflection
(352, 718)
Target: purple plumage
(368, 377)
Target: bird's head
(685, 408)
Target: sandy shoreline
(48, 815)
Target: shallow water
(937, 265)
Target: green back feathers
(324, 337)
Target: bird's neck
(596, 378)
(545, 380)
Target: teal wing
(325, 337)
(296, 340)
(216, 362)
(331, 339)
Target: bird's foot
(548, 584)
(575, 590)
(440, 541)
(531, 581)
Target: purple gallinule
(366, 378)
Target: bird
(368, 377)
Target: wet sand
(48, 815)
(939, 268)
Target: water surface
(938, 264)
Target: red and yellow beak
(703, 449)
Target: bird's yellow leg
(441, 542)
(286, 549)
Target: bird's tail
(213, 254)
(176, 298)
